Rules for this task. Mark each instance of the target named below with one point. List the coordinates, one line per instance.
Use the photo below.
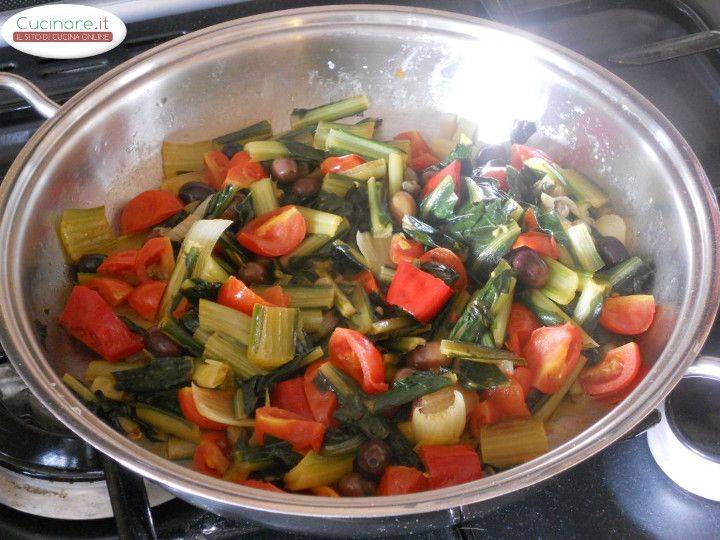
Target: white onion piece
(376, 250)
(179, 231)
(612, 225)
(217, 405)
(439, 418)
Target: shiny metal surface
(27, 90)
(684, 464)
(103, 147)
(669, 48)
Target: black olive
(195, 191)
(306, 187)
(88, 263)
(427, 357)
(521, 131)
(493, 152)
(611, 250)
(531, 270)
(284, 170)
(372, 458)
(230, 149)
(159, 344)
(253, 273)
(354, 485)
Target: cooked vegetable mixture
(321, 311)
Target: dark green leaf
(479, 376)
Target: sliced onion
(217, 405)
(612, 225)
(179, 231)
(439, 418)
(376, 250)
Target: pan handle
(30, 93)
(129, 502)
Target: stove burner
(33, 442)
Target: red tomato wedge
(400, 480)
(216, 168)
(448, 258)
(422, 161)
(276, 296)
(148, 209)
(146, 298)
(322, 404)
(121, 265)
(496, 173)
(274, 234)
(190, 412)
(450, 465)
(486, 412)
(338, 164)
(367, 281)
(403, 249)
(421, 294)
(542, 243)
(420, 155)
(628, 315)
(259, 484)
(524, 376)
(235, 294)
(89, 319)
(304, 435)
(355, 355)
(452, 170)
(243, 172)
(510, 399)
(155, 260)
(611, 398)
(615, 372)
(551, 354)
(521, 324)
(290, 395)
(519, 153)
(417, 143)
(113, 291)
(211, 454)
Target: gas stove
(52, 485)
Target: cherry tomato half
(155, 260)
(628, 315)
(274, 234)
(355, 354)
(616, 371)
(551, 354)
(148, 209)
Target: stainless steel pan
(103, 146)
